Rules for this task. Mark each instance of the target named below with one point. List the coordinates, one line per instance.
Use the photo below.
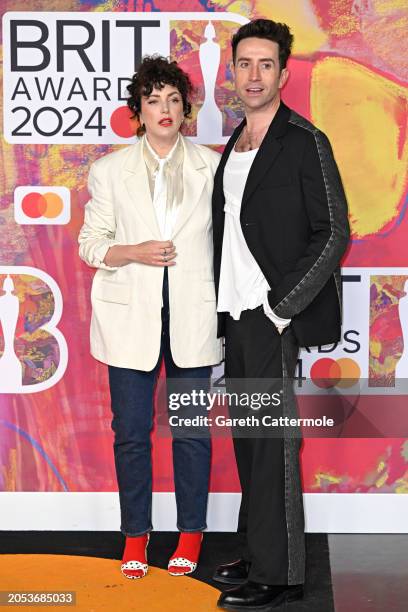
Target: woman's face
(162, 113)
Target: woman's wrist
(131, 253)
(121, 254)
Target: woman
(148, 229)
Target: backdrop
(65, 70)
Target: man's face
(258, 78)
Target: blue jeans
(132, 407)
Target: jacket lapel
(263, 161)
(219, 175)
(137, 185)
(193, 183)
(270, 148)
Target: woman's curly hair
(156, 71)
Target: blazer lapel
(137, 185)
(219, 175)
(193, 183)
(263, 161)
(270, 148)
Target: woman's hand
(151, 253)
(154, 253)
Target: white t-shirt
(242, 284)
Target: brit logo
(33, 351)
(372, 358)
(65, 74)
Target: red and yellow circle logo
(122, 122)
(342, 373)
(35, 205)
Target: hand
(154, 253)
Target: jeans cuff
(134, 534)
(191, 530)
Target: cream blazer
(126, 301)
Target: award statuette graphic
(209, 117)
(11, 371)
(33, 351)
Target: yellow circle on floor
(99, 585)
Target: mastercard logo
(36, 205)
(327, 373)
(42, 205)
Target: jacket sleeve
(326, 207)
(97, 234)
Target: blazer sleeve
(326, 207)
(97, 234)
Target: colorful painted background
(349, 77)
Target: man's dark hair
(156, 71)
(266, 28)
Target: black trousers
(271, 519)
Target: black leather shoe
(253, 596)
(232, 573)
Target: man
(280, 230)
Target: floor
(345, 572)
(369, 572)
(92, 566)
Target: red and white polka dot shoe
(134, 561)
(185, 559)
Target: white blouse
(166, 218)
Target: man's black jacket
(294, 220)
